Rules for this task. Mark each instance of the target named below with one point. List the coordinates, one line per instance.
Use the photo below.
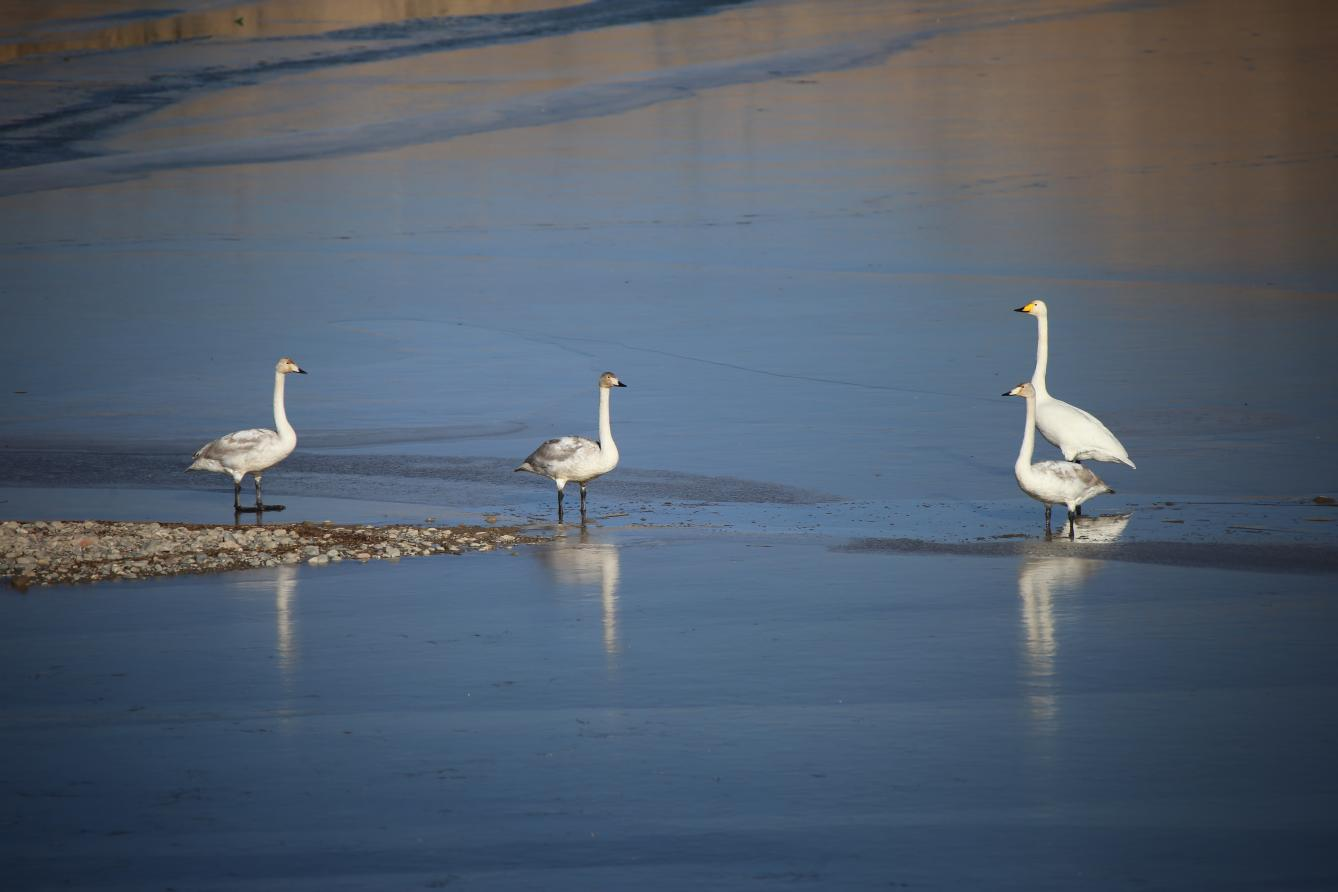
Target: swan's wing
(1069, 473)
(238, 443)
(560, 451)
(1078, 433)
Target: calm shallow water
(812, 635)
(665, 709)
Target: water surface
(811, 633)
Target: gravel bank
(61, 552)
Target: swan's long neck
(606, 444)
(1042, 356)
(1023, 464)
(286, 432)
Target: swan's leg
(1072, 525)
(1047, 521)
(583, 500)
(559, 489)
(260, 502)
(236, 493)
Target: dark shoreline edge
(1290, 558)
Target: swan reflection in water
(593, 568)
(1042, 576)
(285, 593)
(283, 584)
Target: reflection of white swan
(1078, 434)
(281, 581)
(578, 458)
(1103, 527)
(285, 589)
(1051, 482)
(1041, 576)
(589, 565)
(252, 451)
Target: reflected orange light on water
(113, 29)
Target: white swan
(1051, 482)
(576, 458)
(1078, 434)
(252, 451)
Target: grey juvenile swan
(1051, 482)
(576, 458)
(252, 451)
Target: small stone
(318, 560)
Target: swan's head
(1023, 390)
(1035, 308)
(286, 366)
(608, 379)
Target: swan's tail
(1109, 490)
(525, 466)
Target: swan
(576, 458)
(1051, 482)
(1078, 434)
(252, 451)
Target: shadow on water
(1096, 541)
(474, 480)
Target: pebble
(62, 552)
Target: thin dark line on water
(555, 340)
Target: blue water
(798, 255)
(667, 710)
(811, 635)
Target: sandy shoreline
(66, 552)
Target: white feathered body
(244, 452)
(578, 459)
(565, 459)
(1059, 483)
(1051, 482)
(257, 449)
(1079, 434)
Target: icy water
(657, 710)
(812, 635)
